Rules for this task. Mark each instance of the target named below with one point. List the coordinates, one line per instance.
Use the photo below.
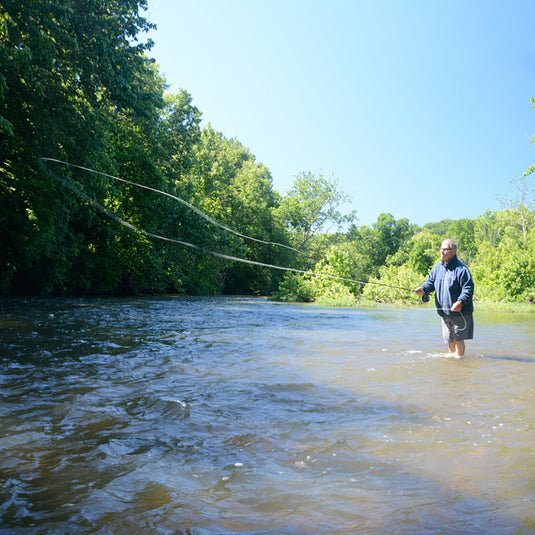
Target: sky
(420, 109)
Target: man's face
(447, 252)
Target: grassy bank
(516, 308)
(485, 306)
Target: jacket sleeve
(429, 285)
(467, 286)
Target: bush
(507, 275)
(394, 284)
(295, 287)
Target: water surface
(239, 415)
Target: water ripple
(225, 415)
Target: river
(176, 415)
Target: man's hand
(456, 307)
(419, 291)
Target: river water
(173, 415)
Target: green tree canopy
(312, 206)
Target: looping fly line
(114, 216)
(175, 198)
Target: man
(452, 283)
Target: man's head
(448, 250)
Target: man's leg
(459, 348)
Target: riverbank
(486, 306)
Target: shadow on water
(530, 360)
(234, 415)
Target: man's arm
(467, 286)
(428, 286)
(467, 290)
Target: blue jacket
(451, 282)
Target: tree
(440, 228)
(367, 244)
(178, 133)
(312, 206)
(463, 231)
(489, 228)
(225, 182)
(68, 68)
(389, 235)
(424, 252)
(523, 204)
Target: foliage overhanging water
(239, 415)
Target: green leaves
(75, 84)
(68, 70)
(312, 206)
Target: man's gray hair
(451, 243)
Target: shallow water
(239, 415)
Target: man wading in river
(452, 283)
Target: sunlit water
(236, 415)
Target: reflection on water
(236, 415)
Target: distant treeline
(77, 85)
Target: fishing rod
(69, 185)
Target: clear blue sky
(420, 109)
